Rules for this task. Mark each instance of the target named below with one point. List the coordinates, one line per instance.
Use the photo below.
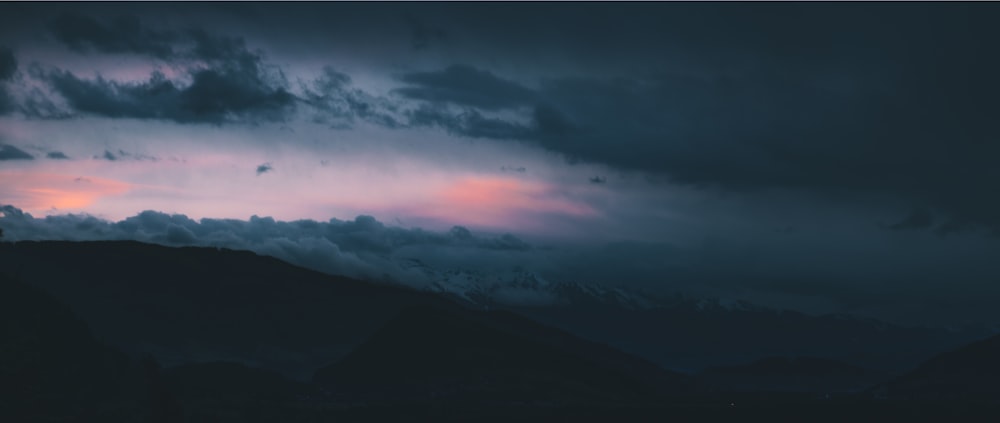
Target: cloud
(465, 85)
(225, 80)
(122, 154)
(264, 168)
(127, 34)
(216, 95)
(7, 104)
(469, 123)
(109, 156)
(38, 104)
(8, 64)
(518, 169)
(340, 105)
(759, 129)
(948, 281)
(8, 67)
(363, 247)
(9, 152)
(57, 155)
(123, 34)
(598, 180)
(917, 219)
(423, 35)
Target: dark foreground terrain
(122, 331)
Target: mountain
(53, 369)
(206, 304)
(384, 353)
(967, 373)
(692, 334)
(435, 354)
(791, 374)
(221, 381)
(187, 305)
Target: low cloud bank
(361, 248)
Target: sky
(831, 157)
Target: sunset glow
(48, 192)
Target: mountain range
(113, 331)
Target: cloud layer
(793, 273)
(362, 248)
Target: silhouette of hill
(967, 373)
(226, 381)
(434, 354)
(233, 392)
(205, 304)
(796, 374)
(200, 304)
(396, 354)
(53, 369)
(692, 335)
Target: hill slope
(427, 353)
(967, 373)
(204, 304)
(795, 374)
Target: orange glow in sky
(488, 200)
(40, 192)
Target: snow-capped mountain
(521, 288)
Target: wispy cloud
(264, 168)
(9, 152)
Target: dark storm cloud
(8, 67)
(8, 64)
(214, 96)
(423, 34)
(339, 104)
(122, 34)
(757, 97)
(128, 34)
(469, 123)
(7, 104)
(228, 81)
(9, 152)
(464, 86)
(57, 155)
(264, 168)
